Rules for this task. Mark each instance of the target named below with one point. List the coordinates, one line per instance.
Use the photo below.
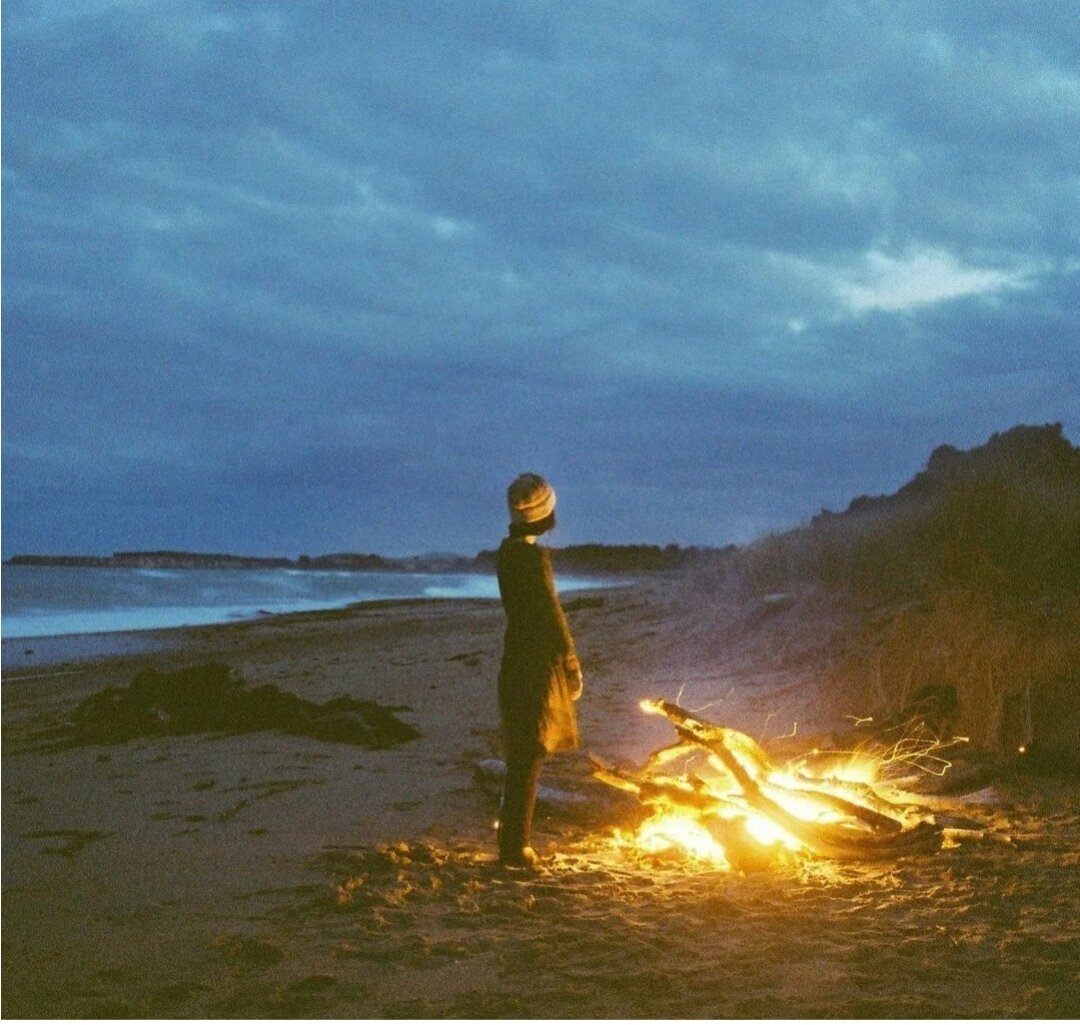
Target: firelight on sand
(740, 809)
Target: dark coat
(539, 663)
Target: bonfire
(737, 809)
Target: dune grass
(968, 577)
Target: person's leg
(518, 803)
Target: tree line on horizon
(591, 557)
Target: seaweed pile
(211, 698)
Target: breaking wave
(44, 601)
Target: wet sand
(263, 874)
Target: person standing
(540, 676)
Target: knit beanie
(530, 498)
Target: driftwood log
(867, 826)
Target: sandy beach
(263, 874)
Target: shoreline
(18, 654)
(95, 629)
(55, 650)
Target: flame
(768, 833)
(727, 824)
(858, 770)
(666, 831)
(802, 789)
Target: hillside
(963, 585)
(1002, 519)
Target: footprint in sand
(74, 840)
(248, 952)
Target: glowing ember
(677, 830)
(746, 809)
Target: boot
(515, 815)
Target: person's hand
(577, 684)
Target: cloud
(919, 278)
(265, 245)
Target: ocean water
(51, 601)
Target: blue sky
(286, 277)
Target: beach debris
(739, 810)
(777, 602)
(211, 698)
(494, 770)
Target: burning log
(826, 816)
(683, 794)
(874, 819)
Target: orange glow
(732, 801)
(667, 831)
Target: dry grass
(967, 578)
(1006, 667)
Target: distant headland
(587, 558)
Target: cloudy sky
(308, 276)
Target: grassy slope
(967, 578)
